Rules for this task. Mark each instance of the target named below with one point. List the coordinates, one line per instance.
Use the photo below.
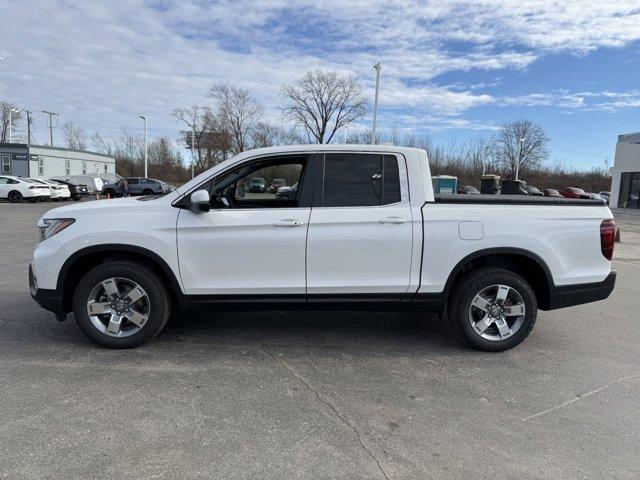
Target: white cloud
(102, 63)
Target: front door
(361, 230)
(252, 242)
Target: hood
(96, 207)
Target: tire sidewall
(473, 285)
(147, 279)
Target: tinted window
(132, 181)
(354, 180)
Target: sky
(451, 69)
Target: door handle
(288, 222)
(392, 220)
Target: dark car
(277, 183)
(166, 188)
(288, 192)
(573, 192)
(257, 185)
(135, 186)
(468, 190)
(77, 190)
(534, 191)
(552, 192)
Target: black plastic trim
(578, 294)
(48, 299)
(516, 200)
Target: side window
(4, 181)
(261, 184)
(67, 167)
(40, 166)
(84, 167)
(133, 181)
(360, 180)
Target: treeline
(319, 108)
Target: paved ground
(317, 395)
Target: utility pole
(11, 112)
(377, 67)
(520, 140)
(145, 144)
(28, 127)
(193, 136)
(51, 115)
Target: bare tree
(322, 103)
(98, 144)
(266, 135)
(534, 148)
(74, 137)
(5, 111)
(211, 143)
(239, 113)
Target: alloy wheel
(497, 312)
(118, 307)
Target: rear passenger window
(360, 180)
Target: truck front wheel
(493, 309)
(121, 304)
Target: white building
(625, 181)
(52, 162)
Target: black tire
(465, 291)
(75, 198)
(14, 196)
(56, 199)
(32, 200)
(110, 193)
(147, 192)
(159, 304)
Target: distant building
(37, 161)
(625, 181)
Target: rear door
(361, 230)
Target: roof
(331, 147)
(47, 147)
(629, 138)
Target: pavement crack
(329, 405)
(579, 397)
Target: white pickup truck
(353, 227)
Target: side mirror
(200, 201)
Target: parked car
(58, 192)
(468, 190)
(595, 196)
(287, 192)
(77, 191)
(573, 192)
(277, 183)
(606, 196)
(534, 191)
(552, 192)
(166, 188)
(490, 261)
(15, 189)
(257, 185)
(135, 186)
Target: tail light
(607, 238)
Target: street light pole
(145, 144)
(377, 67)
(51, 115)
(28, 127)
(520, 140)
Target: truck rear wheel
(121, 304)
(493, 309)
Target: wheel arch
(83, 260)
(525, 263)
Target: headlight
(51, 226)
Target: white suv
(15, 189)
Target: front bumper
(48, 299)
(569, 295)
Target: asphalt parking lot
(318, 395)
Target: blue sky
(452, 69)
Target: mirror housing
(200, 201)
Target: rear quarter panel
(566, 238)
